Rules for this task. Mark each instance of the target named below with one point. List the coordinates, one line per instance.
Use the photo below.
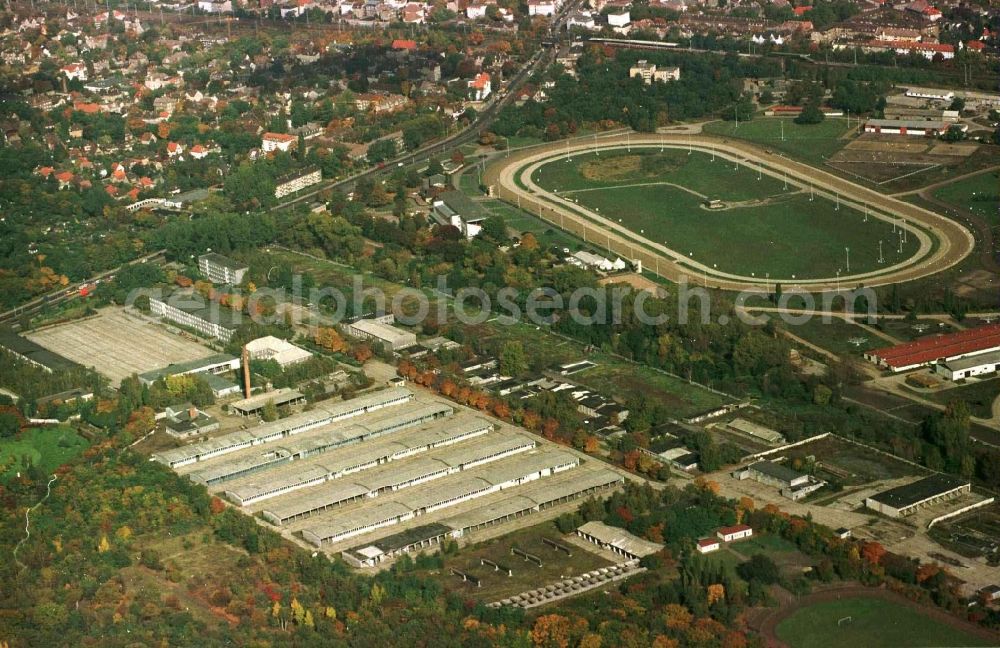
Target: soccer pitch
(870, 622)
(764, 225)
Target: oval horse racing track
(779, 220)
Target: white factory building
(281, 351)
(378, 330)
(969, 366)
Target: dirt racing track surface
(943, 242)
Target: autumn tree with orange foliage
(663, 641)
(447, 387)
(872, 552)
(362, 353)
(557, 631)
(407, 370)
(328, 338)
(926, 571)
(677, 617)
(734, 639)
(530, 420)
(216, 506)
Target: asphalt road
(513, 184)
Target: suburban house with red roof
(75, 71)
(404, 44)
(65, 179)
(480, 87)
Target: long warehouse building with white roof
(295, 424)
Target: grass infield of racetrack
(874, 623)
(812, 143)
(776, 231)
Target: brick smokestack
(246, 372)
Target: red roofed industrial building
(937, 348)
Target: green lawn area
(875, 623)
(468, 182)
(979, 194)
(836, 336)
(978, 394)
(905, 330)
(724, 559)
(521, 222)
(48, 448)
(812, 143)
(627, 380)
(765, 229)
(769, 545)
(620, 168)
(331, 274)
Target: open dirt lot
(637, 281)
(887, 146)
(881, 158)
(117, 344)
(963, 150)
(556, 565)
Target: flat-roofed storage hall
(323, 414)
(509, 470)
(368, 456)
(314, 443)
(907, 499)
(538, 496)
(491, 478)
(350, 469)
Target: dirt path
(809, 345)
(942, 183)
(637, 184)
(27, 521)
(987, 247)
(765, 621)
